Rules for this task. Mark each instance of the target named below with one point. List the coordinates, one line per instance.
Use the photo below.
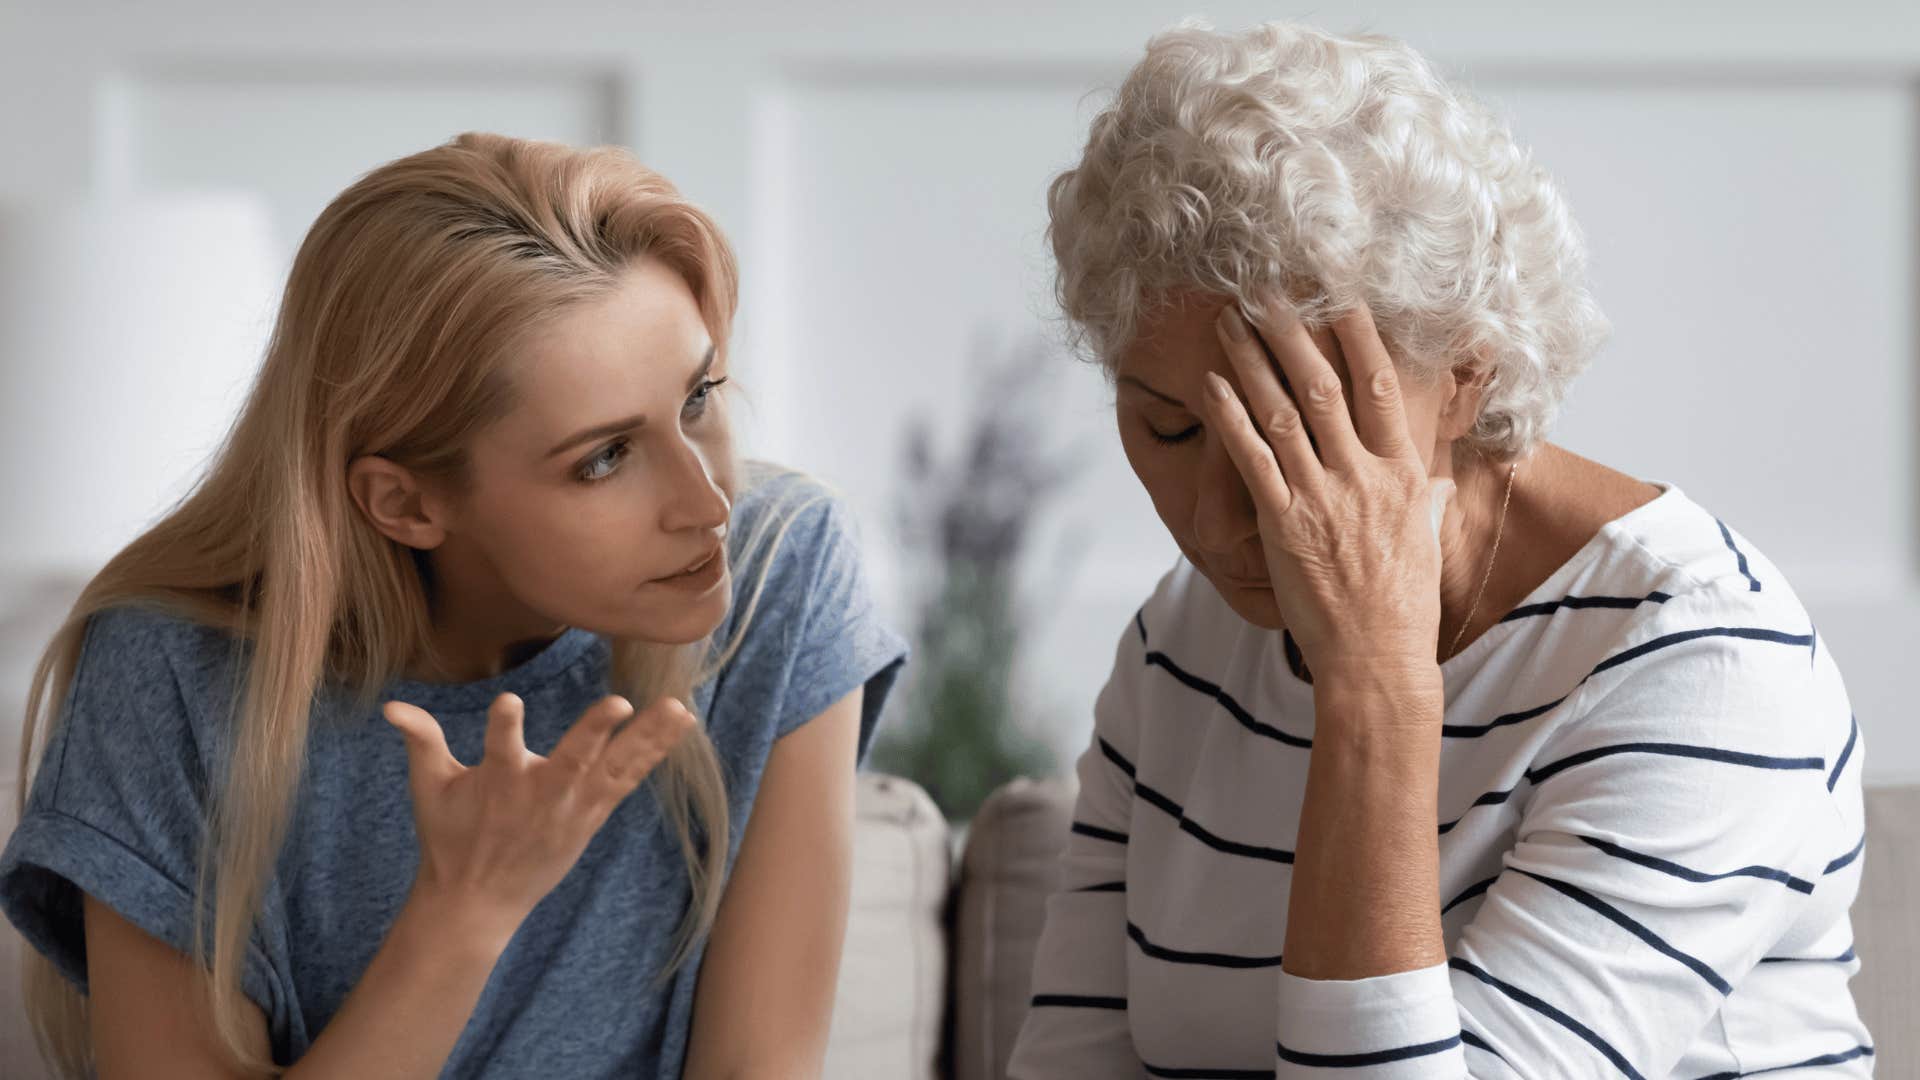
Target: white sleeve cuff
(1401, 1025)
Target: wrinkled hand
(499, 835)
(1349, 528)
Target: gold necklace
(1498, 531)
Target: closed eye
(1176, 437)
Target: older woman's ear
(1466, 386)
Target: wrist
(1378, 695)
(455, 923)
(1401, 676)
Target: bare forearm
(774, 1072)
(402, 1019)
(1365, 893)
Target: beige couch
(934, 980)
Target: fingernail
(1217, 387)
(1233, 323)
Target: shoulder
(769, 491)
(1685, 544)
(804, 628)
(145, 656)
(1668, 567)
(128, 630)
(1727, 658)
(789, 534)
(152, 681)
(799, 580)
(134, 721)
(1714, 719)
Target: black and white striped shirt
(1650, 819)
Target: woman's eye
(697, 401)
(1177, 437)
(602, 465)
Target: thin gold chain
(1498, 531)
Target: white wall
(1746, 173)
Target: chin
(675, 624)
(687, 626)
(1256, 606)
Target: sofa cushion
(889, 1008)
(1009, 869)
(1886, 931)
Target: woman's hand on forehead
(1320, 437)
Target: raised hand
(499, 835)
(1347, 516)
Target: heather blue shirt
(118, 806)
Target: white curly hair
(1339, 170)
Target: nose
(692, 501)
(1224, 517)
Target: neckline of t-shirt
(523, 678)
(1630, 524)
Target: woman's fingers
(643, 744)
(1270, 411)
(1316, 385)
(1378, 411)
(611, 758)
(583, 744)
(1251, 453)
(428, 759)
(506, 740)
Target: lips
(695, 566)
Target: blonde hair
(405, 297)
(1343, 170)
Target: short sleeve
(117, 809)
(812, 633)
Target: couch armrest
(1009, 869)
(1886, 931)
(890, 1004)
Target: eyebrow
(634, 422)
(1128, 380)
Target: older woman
(1442, 751)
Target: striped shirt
(1650, 833)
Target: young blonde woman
(478, 714)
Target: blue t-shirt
(120, 800)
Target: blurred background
(1746, 173)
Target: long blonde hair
(402, 302)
